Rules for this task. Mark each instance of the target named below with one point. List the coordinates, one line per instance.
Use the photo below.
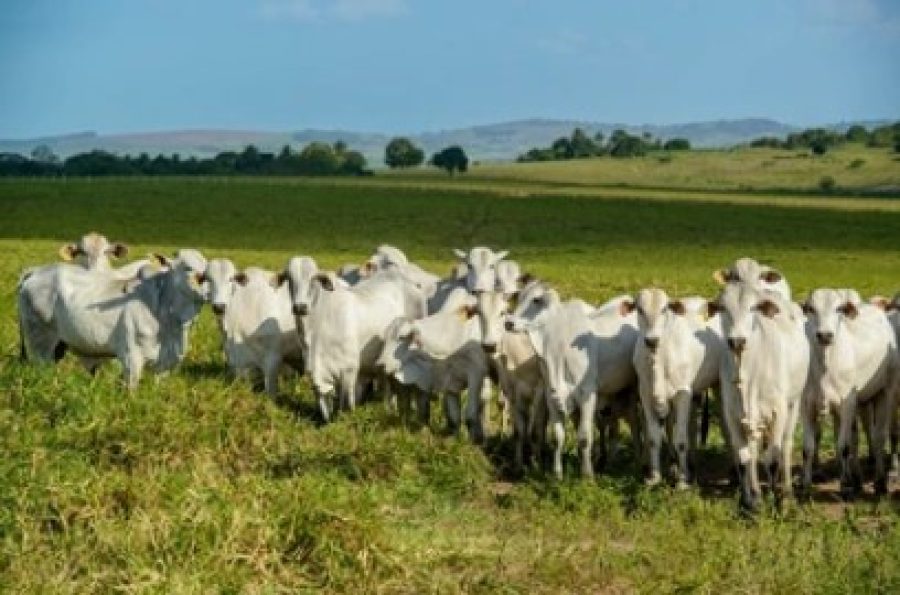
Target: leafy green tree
(677, 144)
(581, 144)
(44, 154)
(401, 152)
(339, 147)
(318, 159)
(857, 134)
(452, 159)
(353, 163)
(562, 148)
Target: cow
(760, 276)
(343, 329)
(441, 354)
(676, 357)
(93, 251)
(585, 357)
(259, 330)
(855, 364)
(763, 376)
(481, 267)
(97, 316)
(391, 258)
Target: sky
(395, 66)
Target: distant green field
(195, 483)
(852, 166)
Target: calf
(855, 363)
(95, 317)
(481, 268)
(676, 357)
(763, 376)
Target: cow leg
(654, 436)
(882, 411)
(538, 427)
(811, 434)
(520, 429)
(683, 430)
(423, 404)
(132, 366)
(271, 366)
(849, 462)
(452, 412)
(558, 426)
(586, 435)
(91, 364)
(475, 409)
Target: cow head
(481, 264)
(492, 308)
(653, 309)
(299, 274)
(738, 306)
(385, 257)
(827, 310)
(751, 272)
(220, 274)
(93, 250)
(187, 269)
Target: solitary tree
(401, 152)
(453, 159)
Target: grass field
(195, 483)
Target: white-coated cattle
(585, 360)
(854, 364)
(259, 330)
(441, 354)
(481, 267)
(676, 357)
(387, 258)
(759, 276)
(299, 275)
(93, 251)
(763, 376)
(518, 371)
(97, 317)
(344, 327)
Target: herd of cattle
(649, 359)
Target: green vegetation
(195, 483)
(401, 152)
(315, 159)
(452, 159)
(620, 144)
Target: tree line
(315, 159)
(820, 140)
(580, 145)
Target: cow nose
(218, 309)
(489, 347)
(300, 309)
(651, 342)
(508, 325)
(737, 344)
(825, 337)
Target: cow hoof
(652, 481)
(682, 486)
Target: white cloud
(311, 11)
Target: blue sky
(411, 65)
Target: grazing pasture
(194, 482)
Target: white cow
(391, 258)
(481, 267)
(518, 371)
(759, 276)
(586, 365)
(97, 317)
(259, 330)
(855, 363)
(93, 251)
(677, 356)
(763, 377)
(344, 327)
(441, 354)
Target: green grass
(195, 483)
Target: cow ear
(767, 308)
(240, 278)
(770, 276)
(460, 254)
(880, 302)
(160, 261)
(524, 279)
(118, 250)
(720, 276)
(68, 252)
(712, 308)
(500, 256)
(467, 311)
(325, 281)
(677, 306)
(626, 307)
(849, 309)
(279, 279)
(807, 308)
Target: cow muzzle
(218, 309)
(737, 344)
(300, 309)
(825, 338)
(651, 342)
(489, 348)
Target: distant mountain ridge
(498, 141)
